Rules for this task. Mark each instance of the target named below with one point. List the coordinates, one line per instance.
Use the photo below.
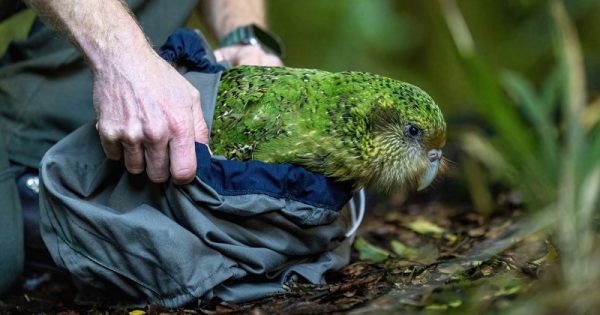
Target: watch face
(267, 40)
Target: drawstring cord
(356, 215)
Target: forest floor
(417, 256)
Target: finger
(219, 56)
(112, 149)
(200, 126)
(134, 156)
(274, 61)
(157, 161)
(182, 156)
(110, 144)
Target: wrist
(103, 30)
(123, 48)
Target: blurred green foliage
(519, 83)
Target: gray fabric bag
(129, 241)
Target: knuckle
(155, 134)
(202, 127)
(158, 178)
(158, 168)
(134, 167)
(128, 135)
(131, 137)
(180, 133)
(109, 133)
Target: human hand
(247, 55)
(149, 115)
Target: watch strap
(252, 34)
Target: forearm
(223, 16)
(147, 113)
(103, 30)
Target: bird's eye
(413, 131)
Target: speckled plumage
(347, 125)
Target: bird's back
(257, 105)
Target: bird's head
(408, 132)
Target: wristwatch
(252, 34)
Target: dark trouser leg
(36, 254)
(11, 226)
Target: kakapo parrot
(355, 126)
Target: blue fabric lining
(232, 178)
(186, 48)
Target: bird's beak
(435, 157)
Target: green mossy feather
(348, 125)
